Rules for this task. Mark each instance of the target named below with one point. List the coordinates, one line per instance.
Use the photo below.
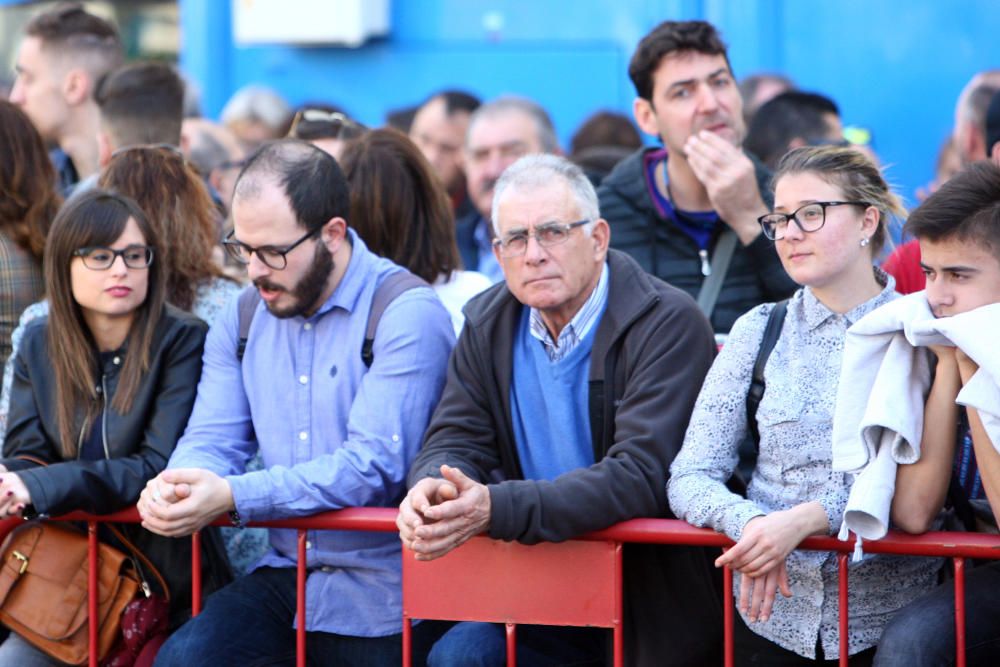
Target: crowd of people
(289, 312)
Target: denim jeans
(922, 634)
(249, 623)
(485, 645)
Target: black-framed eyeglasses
(321, 124)
(809, 217)
(270, 255)
(99, 258)
(547, 235)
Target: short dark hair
(456, 101)
(399, 208)
(69, 28)
(310, 178)
(790, 115)
(991, 125)
(667, 38)
(142, 103)
(966, 208)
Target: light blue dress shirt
(331, 432)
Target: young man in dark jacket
(677, 209)
(567, 398)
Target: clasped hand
(179, 502)
(14, 495)
(438, 515)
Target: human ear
(645, 116)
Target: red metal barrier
(957, 546)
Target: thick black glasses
(809, 217)
(99, 258)
(311, 124)
(271, 256)
(549, 234)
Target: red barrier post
(727, 617)
(195, 574)
(92, 592)
(300, 602)
(959, 612)
(511, 645)
(842, 620)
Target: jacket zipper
(104, 415)
(706, 268)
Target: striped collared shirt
(578, 327)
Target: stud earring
(864, 242)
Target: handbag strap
(710, 288)
(120, 536)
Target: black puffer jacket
(137, 445)
(662, 248)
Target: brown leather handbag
(43, 589)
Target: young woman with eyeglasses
(828, 225)
(103, 387)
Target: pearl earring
(864, 242)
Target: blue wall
(895, 66)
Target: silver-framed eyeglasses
(99, 258)
(809, 217)
(549, 234)
(269, 255)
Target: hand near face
(729, 178)
(438, 515)
(14, 495)
(182, 501)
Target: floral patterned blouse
(795, 420)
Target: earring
(864, 242)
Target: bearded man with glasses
(572, 382)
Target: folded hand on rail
(437, 515)
(767, 540)
(181, 501)
(757, 593)
(14, 495)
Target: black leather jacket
(137, 445)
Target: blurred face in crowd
(494, 143)
(556, 279)
(692, 92)
(266, 222)
(439, 137)
(961, 275)
(833, 250)
(41, 86)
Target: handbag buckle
(24, 560)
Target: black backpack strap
(771, 334)
(385, 293)
(247, 306)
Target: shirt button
(309, 545)
(303, 435)
(116, 361)
(395, 438)
(303, 379)
(307, 326)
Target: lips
(268, 294)
(119, 291)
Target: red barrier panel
(956, 546)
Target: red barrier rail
(956, 546)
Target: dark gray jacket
(662, 248)
(650, 354)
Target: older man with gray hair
(566, 400)
(500, 132)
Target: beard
(307, 291)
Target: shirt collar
(348, 291)
(582, 321)
(815, 313)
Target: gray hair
(537, 171)
(257, 103)
(503, 105)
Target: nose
(535, 253)
(256, 268)
(17, 93)
(707, 100)
(938, 294)
(118, 267)
(793, 232)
